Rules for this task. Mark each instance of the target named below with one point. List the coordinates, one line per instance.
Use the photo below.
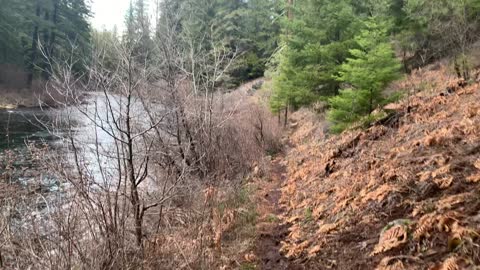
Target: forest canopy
(322, 50)
(304, 45)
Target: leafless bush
(144, 146)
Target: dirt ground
(270, 230)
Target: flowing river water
(32, 191)
(19, 126)
(89, 125)
(18, 129)
(52, 127)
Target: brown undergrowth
(217, 227)
(403, 194)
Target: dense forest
(240, 134)
(35, 32)
(313, 50)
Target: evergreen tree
(257, 37)
(144, 44)
(442, 27)
(104, 43)
(137, 35)
(130, 34)
(72, 32)
(169, 17)
(12, 30)
(248, 28)
(317, 39)
(372, 67)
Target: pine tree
(248, 29)
(317, 38)
(168, 18)
(372, 67)
(137, 35)
(12, 29)
(256, 39)
(129, 35)
(144, 45)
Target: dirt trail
(270, 231)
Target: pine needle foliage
(365, 75)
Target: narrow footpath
(270, 231)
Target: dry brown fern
(432, 222)
(220, 225)
(475, 178)
(398, 263)
(326, 228)
(387, 264)
(444, 182)
(451, 263)
(447, 221)
(424, 227)
(391, 238)
(451, 201)
(477, 164)
(313, 251)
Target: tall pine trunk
(46, 48)
(34, 48)
(51, 42)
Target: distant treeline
(35, 33)
(313, 50)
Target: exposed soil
(271, 231)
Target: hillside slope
(404, 194)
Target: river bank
(21, 98)
(34, 99)
(13, 98)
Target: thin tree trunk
(457, 68)
(290, 9)
(34, 48)
(46, 47)
(370, 107)
(405, 65)
(134, 195)
(51, 43)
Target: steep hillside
(404, 194)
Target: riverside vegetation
(231, 134)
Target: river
(52, 127)
(19, 126)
